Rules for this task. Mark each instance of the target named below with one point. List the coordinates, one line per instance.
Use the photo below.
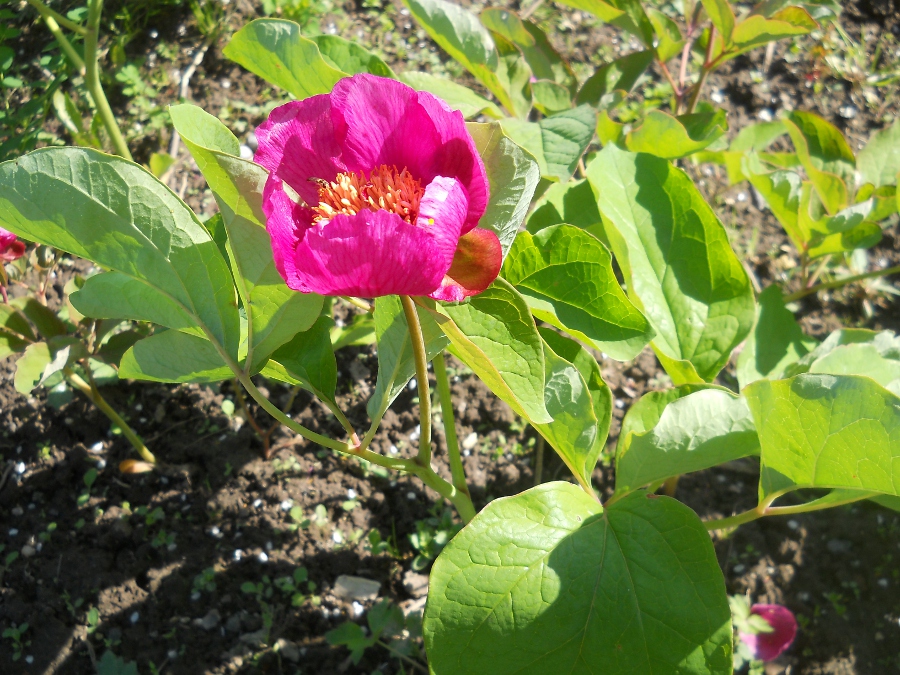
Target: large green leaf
(396, 364)
(513, 177)
(113, 295)
(579, 402)
(879, 161)
(350, 57)
(459, 33)
(118, 215)
(664, 135)
(829, 431)
(494, 334)
(173, 356)
(621, 74)
(697, 431)
(276, 312)
(567, 279)
(514, 75)
(455, 95)
(549, 582)
(679, 267)
(275, 50)
(558, 141)
(308, 360)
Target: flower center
(386, 189)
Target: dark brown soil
(135, 548)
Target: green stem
(421, 360)
(92, 80)
(765, 508)
(455, 459)
(50, 19)
(342, 418)
(357, 302)
(46, 12)
(91, 391)
(838, 283)
(813, 506)
(733, 521)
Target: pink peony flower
(376, 189)
(10, 247)
(768, 646)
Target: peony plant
(454, 239)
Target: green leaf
(493, 333)
(514, 75)
(455, 95)
(15, 332)
(574, 203)
(513, 176)
(111, 664)
(277, 313)
(118, 215)
(854, 351)
(173, 356)
(670, 137)
(396, 364)
(349, 57)
(567, 279)
(879, 161)
(619, 75)
(544, 61)
(757, 30)
(550, 98)
(722, 17)
(578, 400)
(699, 430)
(827, 431)
(825, 155)
(781, 190)
(679, 267)
(44, 319)
(361, 331)
(548, 582)
(625, 14)
(275, 50)
(30, 367)
(777, 341)
(308, 359)
(459, 33)
(670, 41)
(558, 141)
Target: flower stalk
(421, 361)
(457, 471)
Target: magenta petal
(380, 121)
(457, 156)
(10, 247)
(378, 253)
(476, 263)
(286, 223)
(298, 142)
(768, 646)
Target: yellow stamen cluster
(386, 189)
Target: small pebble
(470, 441)
(18, 511)
(411, 496)
(413, 384)
(268, 545)
(262, 557)
(215, 532)
(765, 115)
(793, 524)
(153, 33)
(172, 654)
(393, 449)
(20, 468)
(29, 659)
(195, 596)
(238, 554)
(884, 583)
(336, 537)
(252, 142)
(28, 551)
(351, 494)
(357, 609)
(286, 505)
(97, 447)
(257, 503)
(135, 617)
(246, 153)
(416, 433)
(738, 569)
(13, 532)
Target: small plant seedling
(16, 635)
(431, 536)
